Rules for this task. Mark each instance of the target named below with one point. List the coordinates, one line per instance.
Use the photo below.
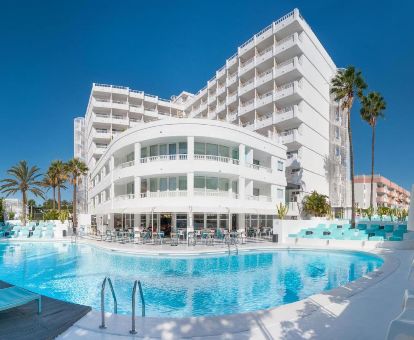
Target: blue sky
(52, 52)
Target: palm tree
(372, 108)
(344, 86)
(49, 181)
(75, 169)
(58, 169)
(31, 204)
(24, 180)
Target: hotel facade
(386, 193)
(263, 130)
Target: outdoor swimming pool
(180, 286)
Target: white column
(249, 156)
(190, 184)
(137, 153)
(137, 186)
(137, 222)
(273, 192)
(190, 147)
(273, 163)
(241, 222)
(242, 154)
(112, 190)
(410, 225)
(242, 188)
(248, 188)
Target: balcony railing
(162, 194)
(215, 193)
(260, 198)
(150, 159)
(258, 167)
(126, 165)
(124, 197)
(216, 158)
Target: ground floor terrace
(181, 224)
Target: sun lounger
(15, 296)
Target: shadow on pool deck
(24, 322)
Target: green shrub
(51, 215)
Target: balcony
(102, 118)
(221, 72)
(246, 65)
(136, 109)
(264, 77)
(258, 167)
(102, 134)
(231, 80)
(249, 44)
(221, 90)
(264, 99)
(246, 107)
(120, 120)
(232, 60)
(125, 165)
(246, 86)
(124, 197)
(293, 160)
(290, 137)
(164, 194)
(231, 98)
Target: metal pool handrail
(102, 326)
(134, 290)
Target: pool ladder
(134, 290)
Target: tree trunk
(54, 198)
(351, 161)
(372, 166)
(75, 221)
(24, 202)
(59, 204)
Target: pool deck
(362, 309)
(24, 323)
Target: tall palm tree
(49, 181)
(75, 169)
(24, 180)
(60, 175)
(372, 108)
(31, 204)
(346, 84)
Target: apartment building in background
(386, 192)
(276, 86)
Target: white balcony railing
(126, 165)
(260, 198)
(150, 159)
(258, 167)
(124, 197)
(216, 158)
(215, 193)
(164, 194)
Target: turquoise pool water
(180, 286)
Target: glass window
(143, 185)
(172, 149)
(163, 149)
(144, 152)
(153, 150)
(212, 149)
(198, 221)
(182, 148)
(235, 153)
(279, 165)
(211, 221)
(181, 221)
(153, 185)
(182, 183)
(130, 188)
(143, 220)
(280, 193)
(199, 182)
(211, 183)
(256, 191)
(224, 184)
(172, 183)
(199, 148)
(256, 162)
(223, 151)
(163, 184)
(224, 221)
(130, 157)
(235, 187)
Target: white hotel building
(263, 130)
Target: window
(235, 187)
(172, 183)
(337, 151)
(163, 149)
(198, 221)
(130, 188)
(144, 186)
(224, 221)
(181, 221)
(199, 148)
(163, 184)
(199, 182)
(153, 150)
(153, 185)
(279, 165)
(280, 194)
(130, 157)
(336, 132)
(211, 183)
(235, 153)
(182, 183)
(172, 149)
(256, 162)
(256, 191)
(144, 152)
(143, 220)
(182, 148)
(223, 151)
(212, 221)
(224, 184)
(212, 149)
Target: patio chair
(12, 297)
